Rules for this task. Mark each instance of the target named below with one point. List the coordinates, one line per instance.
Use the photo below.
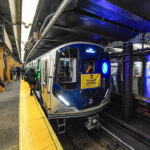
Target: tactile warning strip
(35, 132)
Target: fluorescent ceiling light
(117, 50)
(28, 12)
(15, 13)
(139, 46)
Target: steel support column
(127, 83)
(8, 61)
(1, 67)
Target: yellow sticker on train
(90, 81)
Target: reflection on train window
(114, 69)
(137, 69)
(89, 66)
(66, 71)
(45, 73)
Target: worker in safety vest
(89, 69)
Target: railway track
(78, 138)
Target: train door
(47, 76)
(44, 83)
(39, 75)
(50, 82)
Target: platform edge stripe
(50, 129)
(24, 143)
(20, 148)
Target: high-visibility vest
(89, 68)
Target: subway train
(141, 83)
(74, 80)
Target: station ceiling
(7, 21)
(98, 21)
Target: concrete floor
(9, 115)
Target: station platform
(35, 131)
(9, 111)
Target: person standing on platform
(11, 74)
(13, 71)
(31, 79)
(22, 72)
(89, 69)
(1, 82)
(18, 72)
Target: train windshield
(89, 66)
(67, 68)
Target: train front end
(81, 85)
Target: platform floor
(9, 112)
(35, 131)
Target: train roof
(67, 44)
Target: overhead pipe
(45, 21)
(60, 9)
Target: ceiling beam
(84, 32)
(83, 12)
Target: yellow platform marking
(35, 131)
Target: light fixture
(63, 100)
(105, 67)
(90, 50)
(28, 12)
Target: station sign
(6, 40)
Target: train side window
(137, 69)
(66, 72)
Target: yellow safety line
(35, 131)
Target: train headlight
(105, 67)
(62, 99)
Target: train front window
(67, 70)
(66, 74)
(89, 66)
